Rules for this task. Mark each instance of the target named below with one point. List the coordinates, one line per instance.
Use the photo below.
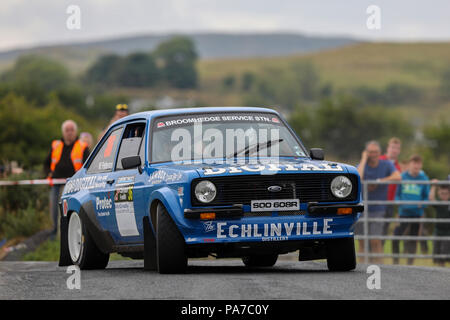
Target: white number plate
(275, 205)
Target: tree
(439, 138)
(334, 123)
(29, 131)
(228, 81)
(138, 70)
(248, 78)
(307, 79)
(178, 57)
(105, 70)
(35, 77)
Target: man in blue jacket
(411, 192)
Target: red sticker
(65, 208)
(160, 125)
(275, 120)
(109, 146)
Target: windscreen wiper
(258, 146)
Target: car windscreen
(222, 136)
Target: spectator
(403, 166)
(392, 153)
(372, 168)
(66, 156)
(121, 111)
(410, 192)
(441, 229)
(86, 137)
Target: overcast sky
(25, 23)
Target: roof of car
(169, 112)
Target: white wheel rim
(74, 236)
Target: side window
(131, 143)
(104, 159)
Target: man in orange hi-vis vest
(66, 157)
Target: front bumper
(232, 225)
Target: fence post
(366, 222)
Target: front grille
(269, 214)
(307, 187)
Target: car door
(99, 174)
(128, 185)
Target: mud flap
(64, 255)
(149, 246)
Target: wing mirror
(132, 162)
(316, 154)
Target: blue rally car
(169, 185)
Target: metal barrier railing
(365, 219)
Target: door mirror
(316, 154)
(132, 162)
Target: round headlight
(341, 186)
(205, 191)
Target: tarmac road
(221, 279)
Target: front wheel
(170, 246)
(341, 254)
(82, 249)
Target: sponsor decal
(238, 117)
(86, 183)
(105, 165)
(162, 176)
(109, 146)
(125, 181)
(271, 167)
(273, 231)
(124, 207)
(209, 226)
(124, 194)
(101, 204)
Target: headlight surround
(205, 191)
(341, 187)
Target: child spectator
(441, 229)
(410, 192)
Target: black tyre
(341, 254)
(263, 260)
(82, 249)
(149, 246)
(170, 246)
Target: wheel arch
(167, 197)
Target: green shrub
(47, 251)
(22, 223)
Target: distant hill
(209, 45)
